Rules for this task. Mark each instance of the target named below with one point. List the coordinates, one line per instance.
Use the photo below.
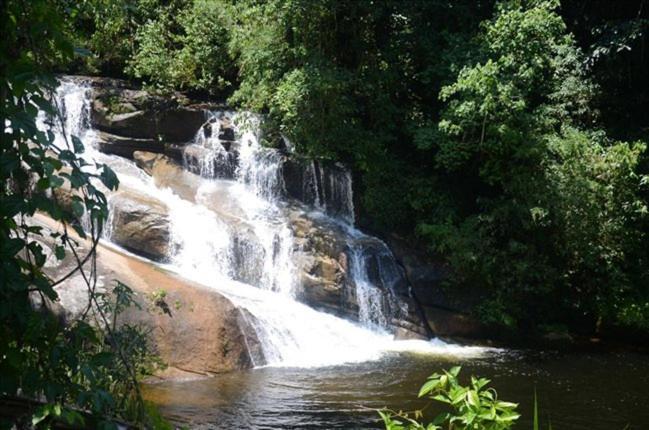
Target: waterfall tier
(228, 218)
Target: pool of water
(589, 391)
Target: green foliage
(554, 211)
(471, 126)
(469, 407)
(185, 47)
(80, 371)
(105, 30)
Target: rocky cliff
(160, 134)
(195, 331)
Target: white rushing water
(240, 243)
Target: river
(577, 391)
(321, 370)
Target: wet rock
(209, 163)
(167, 173)
(449, 323)
(324, 287)
(403, 333)
(248, 256)
(226, 130)
(383, 270)
(140, 224)
(140, 114)
(319, 183)
(126, 146)
(322, 263)
(216, 196)
(174, 151)
(195, 330)
(201, 333)
(147, 160)
(245, 244)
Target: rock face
(447, 311)
(125, 146)
(196, 331)
(321, 258)
(167, 173)
(319, 183)
(140, 224)
(130, 119)
(215, 152)
(139, 114)
(322, 252)
(155, 131)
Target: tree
(509, 131)
(75, 367)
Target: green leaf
(78, 209)
(73, 418)
(56, 181)
(108, 178)
(77, 145)
(428, 387)
(59, 251)
(78, 178)
(472, 398)
(43, 184)
(41, 414)
(11, 247)
(455, 371)
(77, 228)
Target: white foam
(291, 334)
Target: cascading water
(241, 245)
(328, 187)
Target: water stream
(576, 391)
(321, 371)
(234, 237)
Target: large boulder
(195, 330)
(454, 324)
(447, 311)
(322, 262)
(140, 114)
(140, 224)
(217, 195)
(427, 274)
(210, 163)
(167, 173)
(215, 152)
(126, 146)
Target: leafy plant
(86, 371)
(185, 47)
(470, 407)
(472, 127)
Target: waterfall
(328, 187)
(234, 236)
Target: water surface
(578, 391)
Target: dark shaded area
(615, 34)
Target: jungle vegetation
(507, 138)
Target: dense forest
(506, 138)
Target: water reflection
(577, 391)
